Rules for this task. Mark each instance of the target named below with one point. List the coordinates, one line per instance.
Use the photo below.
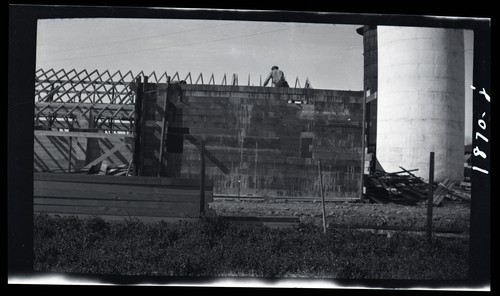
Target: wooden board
(111, 190)
(270, 221)
(117, 218)
(109, 195)
(191, 196)
(441, 191)
(112, 203)
(191, 211)
(129, 180)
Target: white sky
(331, 56)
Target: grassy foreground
(212, 247)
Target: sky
(329, 55)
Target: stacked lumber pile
(405, 188)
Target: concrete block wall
(269, 146)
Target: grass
(212, 247)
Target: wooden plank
(113, 203)
(129, 180)
(132, 188)
(103, 191)
(202, 178)
(103, 168)
(430, 199)
(58, 193)
(68, 105)
(398, 228)
(115, 218)
(166, 212)
(106, 155)
(270, 221)
(164, 128)
(411, 174)
(441, 192)
(209, 155)
(137, 126)
(82, 134)
(382, 173)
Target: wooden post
(69, 151)
(144, 116)
(202, 178)
(137, 126)
(430, 199)
(163, 130)
(322, 196)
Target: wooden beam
(163, 130)
(430, 199)
(123, 192)
(82, 134)
(202, 178)
(180, 210)
(143, 181)
(209, 155)
(322, 196)
(137, 125)
(106, 154)
(96, 106)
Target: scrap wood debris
(403, 187)
(104, 168)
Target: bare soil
(450, 215)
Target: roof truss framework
(108, 98)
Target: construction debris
(405, 188)
(104, 168)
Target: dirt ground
(450, 215)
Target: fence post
(202, 178)
(137, 125)
(163, 129)
(430, 199)
(322, 196)
(70, 144)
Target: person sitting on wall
(278, 77)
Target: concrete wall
(421, 100)
(270, 147)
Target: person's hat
(274, 67)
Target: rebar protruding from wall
(297, 82)
(234, 79)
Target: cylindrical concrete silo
(421, 100)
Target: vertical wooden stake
(430, 199)
(163, 129)
(69, 156)
(144, 116)
(322, 196)
(137, 126)
(202, 178)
